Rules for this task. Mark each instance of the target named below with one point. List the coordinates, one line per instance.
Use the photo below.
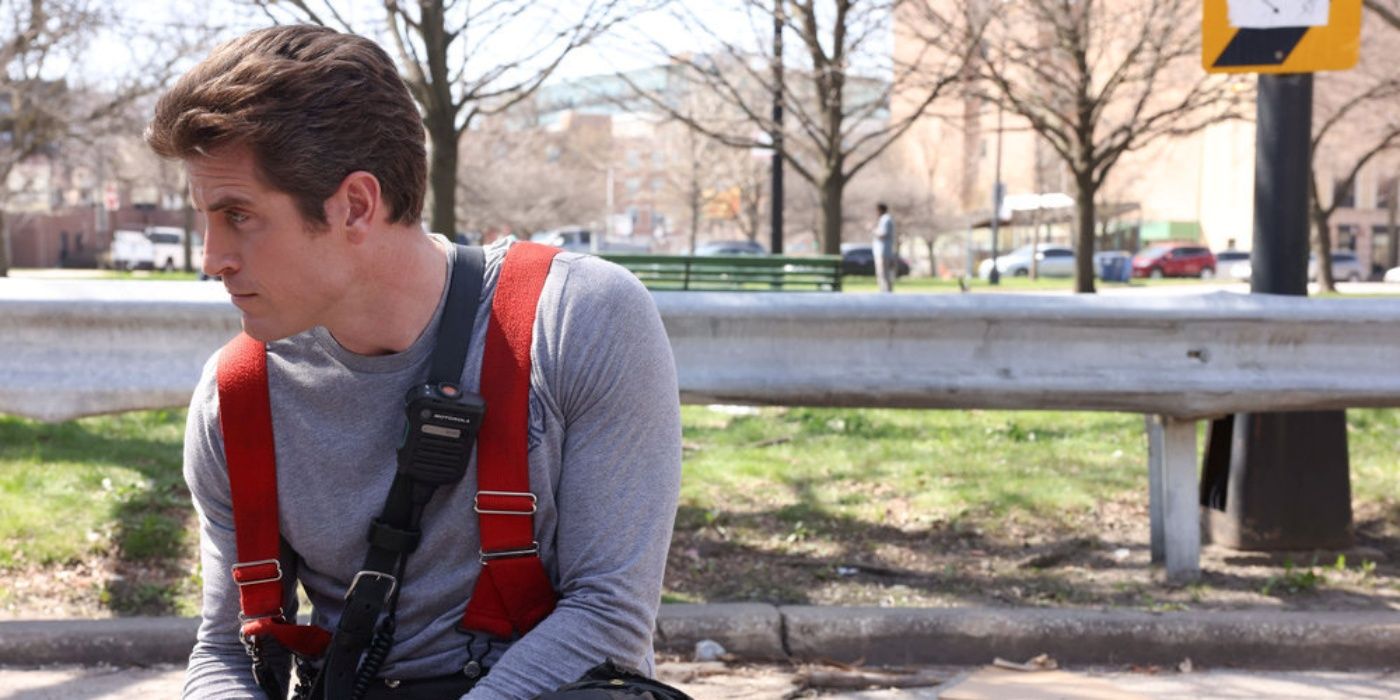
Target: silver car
(1233, 264)
(1052, 261)
(1345, 267)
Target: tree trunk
(1035, 246)
(829, 193)
(1323, 250)
(189, 238)
(4, 246)
(695, 211)
(442, 173)
(1084, 236)
(1393, 254)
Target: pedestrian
(468, 459)
(886, 262)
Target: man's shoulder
(580, 277)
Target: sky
(116, 48)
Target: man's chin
(265, 331)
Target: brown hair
(313, 105)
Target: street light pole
(776, 193)
(997, 193)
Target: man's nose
(219, 257)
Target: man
(305, 154)
(886, 263)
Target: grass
(153, 275)
(774, 481)
(1043, 464)
(106, 488)
(813, 464)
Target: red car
(1174, 261)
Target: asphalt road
(756, 682)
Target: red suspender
(513, 593)
(245, 420)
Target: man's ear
(358, 204)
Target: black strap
(458, 315)
(394, 534)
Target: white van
(131, 250)
(168, 248)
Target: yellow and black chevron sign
(1264, 41)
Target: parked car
(1173, 260)
(1392, 275)
(859, 259)
(1052, 261)
(1233, 264)
(1345, 267)
(580, 240)
(731, 248)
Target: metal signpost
(1280, 480)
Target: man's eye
(236, 217)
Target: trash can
(1113, 266)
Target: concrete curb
(127, 641)
(755, 631)
(1246, 639)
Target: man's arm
(218, 667)
(614, 385)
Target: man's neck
(402, 280)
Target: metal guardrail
(1175, 359)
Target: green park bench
(757, 273)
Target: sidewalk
(768, 682)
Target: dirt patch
(1096, 559)
(99, 587)
(1093, 559)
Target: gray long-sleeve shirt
(604, 463)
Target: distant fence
(1175, 359)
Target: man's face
(282, 275)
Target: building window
(634, 185)
(1385, 192)
(1346, 237)
(1343, 197)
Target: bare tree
(1356, 122)
(524, 178)
(690, 174)
(40, 114)
(839, 111)
(702, 172)
(1096, 79)
(467, 60)
(1387, 10)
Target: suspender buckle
(532, 550)
(245, 619)
(500, 503)
(373, 576)
(266, 571)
